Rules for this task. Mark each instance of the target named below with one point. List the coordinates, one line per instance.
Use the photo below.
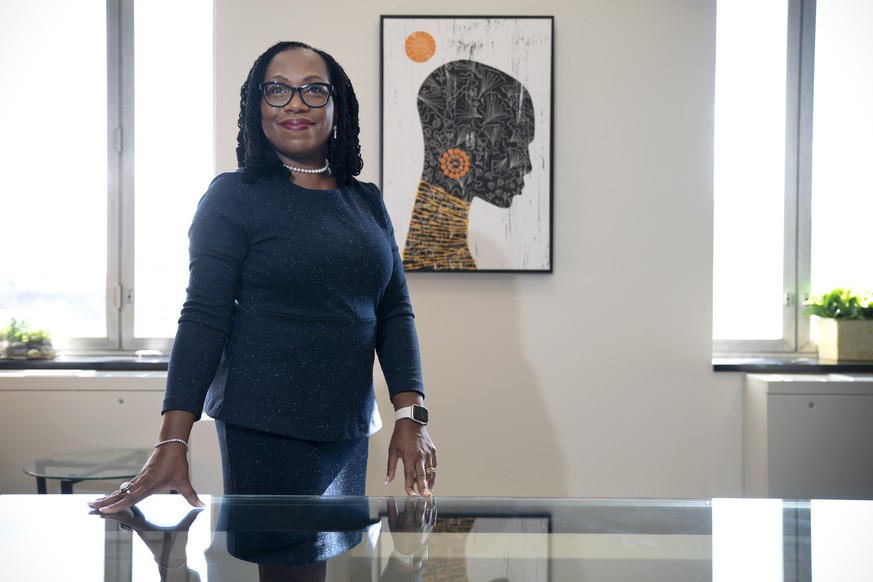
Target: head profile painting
(466, 159)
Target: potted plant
(845, 320)
(17, 342)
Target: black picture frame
(466, 141)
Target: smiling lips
(297, 124)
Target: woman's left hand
(411, 444)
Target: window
(749, 181)
(842, 150)
(791, 146)
(108, 146)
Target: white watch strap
(405, 412)
(415, 559)
(416, 413)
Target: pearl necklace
(307, 170)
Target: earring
(334, 132)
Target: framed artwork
(467, 141)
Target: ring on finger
(430, 470)
(125, 487)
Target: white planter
(845, 340)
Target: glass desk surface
(57, 537)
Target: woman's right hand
(166, 469)
(417, 516)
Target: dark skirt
(260, 463)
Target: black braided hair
(256, 156)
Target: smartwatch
(415, 412)
(415, 559)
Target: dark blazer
(291, 293)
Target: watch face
(419, 413)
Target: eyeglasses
(279, 94)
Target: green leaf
(841, 303)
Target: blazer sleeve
(218, 245)
(396, 336)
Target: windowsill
(113, 363)
(786, 364)
(758, 364)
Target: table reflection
(476, 539)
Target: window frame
(797, 245)
(120, 191)
(119, 28)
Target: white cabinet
(808, 436)
(50, 412)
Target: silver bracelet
(168, 441)
(181, 566)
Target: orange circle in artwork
(420, 46)
(455, 163)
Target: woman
(295, 283)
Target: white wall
(595, 380)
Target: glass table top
(57, 537)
